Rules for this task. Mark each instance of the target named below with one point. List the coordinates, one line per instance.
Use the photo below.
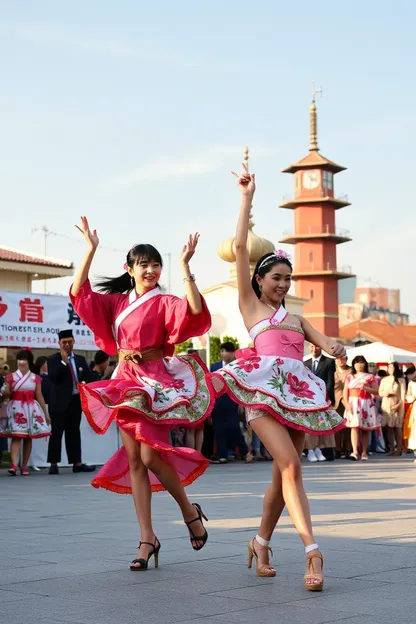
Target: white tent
(381, 353)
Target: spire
(251, 222)
(313, 120)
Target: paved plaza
(65, 549)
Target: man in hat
(65, 371)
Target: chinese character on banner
(31, 311)
(73, 316)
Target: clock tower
(315, 235)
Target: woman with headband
(283, 399)
(151, 391)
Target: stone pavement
(65, 549)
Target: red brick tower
(315, 236)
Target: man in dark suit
(225, 417)
(65, 371)
(324, 368)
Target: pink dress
(272, 377)
(361, 410)
(24, 415)
(147, 399)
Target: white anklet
(262, 541)
(311, 547)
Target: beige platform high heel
(314, 581)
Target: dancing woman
(283, 399)
(151, 391)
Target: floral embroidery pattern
(183, 402)
(299, 388)
(249, 365)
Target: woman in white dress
(27, 416)
(360, 408)
(393, 392)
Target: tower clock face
(310, 179)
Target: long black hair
(28, 356)
(356, 360)
(40, 361)
(125, 283)
(263, 266)
(397, 374)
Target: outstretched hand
(91, 237)
(245, 182)
(189, 249)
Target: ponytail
(118, 285)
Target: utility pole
(46, 232)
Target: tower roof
(314, 158)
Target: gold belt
(137, 357)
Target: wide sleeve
(97, 312)
(180, 324)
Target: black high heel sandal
(144, 563)
(198, 538)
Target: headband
(277, 254)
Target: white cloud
(142, 51)
(200, 163)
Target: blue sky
(133, 113)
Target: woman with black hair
(360, 407)
(393, 393)
(153, 390)
(27, 416)
(283, 399)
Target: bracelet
(191, 278)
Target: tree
(214, 349)
(183, 347)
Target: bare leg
(171, 482)
(199, 439)
(364, 442)
(142, 494)
(355, 441)
(280, 445)
(15, 450)
(273, 502)
(27, 449)
(190, 438)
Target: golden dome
(256, 246)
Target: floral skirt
(284, 388)
(23, 419)
(361, 413)
(147, 401)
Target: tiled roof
(314, 159)
(402, 336)
(7, 254)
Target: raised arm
(247, 185)
(191, 290)
(92, 240)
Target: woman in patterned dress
(360, 407)
(27, 416)
(151, 390)
(283, 399)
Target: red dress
(148, 398)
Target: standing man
(66, 370)
(324, 368)
(225, 416)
